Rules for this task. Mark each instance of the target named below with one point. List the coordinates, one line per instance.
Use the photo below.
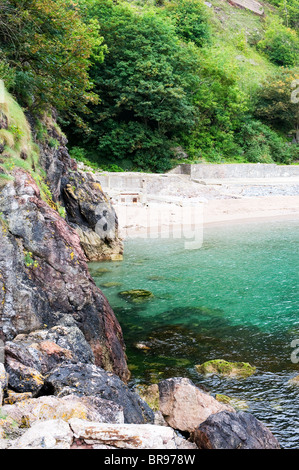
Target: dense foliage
(48, 48)
(138, 84)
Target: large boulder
(30, 357)
(43, 270)
(51, 434)
(184, 406)
(240, 430)
(89, 380)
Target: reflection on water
(236, 298)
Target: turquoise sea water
(236, 298)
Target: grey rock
(89, 380)
(241, 430)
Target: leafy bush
(260, 144)
(280, 44)
(191, 20)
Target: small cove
(235, 298)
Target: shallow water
(235, 298)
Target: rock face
(239, 430)
(87, 207)
(184, 406)
(92, 216)
(44, 275)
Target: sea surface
(235, 297)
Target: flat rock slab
(128, 436)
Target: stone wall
(237, 170)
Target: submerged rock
(136, 295)
(238, 430)
(225, 368)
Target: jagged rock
(71, 406)
(87, 379)
(43, 270)
(240, 430)
(128, 436)
(42, 350)
(24, 378)
(184, 406)
(93, 217)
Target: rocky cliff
(44, 249)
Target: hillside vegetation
(143, 85)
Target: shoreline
(160, 219)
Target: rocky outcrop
(239, 430)
(251, 5)
(44, 276)
(88, 209)
(91, 214)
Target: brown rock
(184, 406)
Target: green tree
(191, 20)
(221, 104)
(50, 49)
(278, 101)
(145, 84)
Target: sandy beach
(179, 206)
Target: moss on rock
(136, 295)
(225, 368)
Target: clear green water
(235, 298)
